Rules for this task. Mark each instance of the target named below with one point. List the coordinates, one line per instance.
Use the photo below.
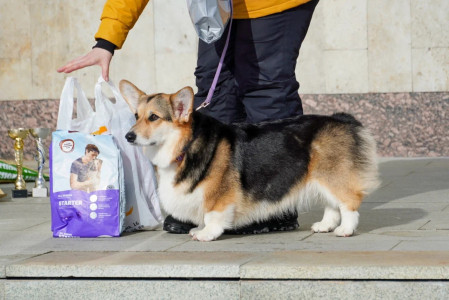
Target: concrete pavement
(401, 249)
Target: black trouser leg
(266, 51)
(225, 105)
(257, 81)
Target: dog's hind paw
(322, 227)
(344, 232)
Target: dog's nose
(130, 137)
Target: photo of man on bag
(85, 171)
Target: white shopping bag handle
(105, 109)
(83, 107)
(102, 100)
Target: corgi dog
(220, 176)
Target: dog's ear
(182, 104)
(131, 94)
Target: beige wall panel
(344, 24)
(430, 69)
(14, 29)
(83, 19)
(15, 78)
(50, 37)
(389, 54)
(430, 23)
(135, 61)
(175, 46)
(177, 72)
(310, 66)
(346, 71)
(15, 50)
(405, 41)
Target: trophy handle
(18, 154)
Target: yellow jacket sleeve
(249, 9)
(117, 19)
(119, 16)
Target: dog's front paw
(205, 235)
(323, 227)
(344, 231)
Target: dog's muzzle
(131, 137)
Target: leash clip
(220, 65)
(203, 105)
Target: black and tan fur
(226, 176)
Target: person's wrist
(106, 45)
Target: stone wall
(387, 61)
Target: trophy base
(19, 193)
(40, 192)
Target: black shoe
(173, 225)
(287, 222)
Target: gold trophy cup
(19, 134)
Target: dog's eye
(135, 115)
(153, 117)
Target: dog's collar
(180, 158)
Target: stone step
(229, 275)
(226, 290)
(285, 265)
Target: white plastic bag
(85, 116)
(142, 202)
(209, 17)
(95, 205)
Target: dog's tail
(366, 154)
(367, 160)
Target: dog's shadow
(404, 198)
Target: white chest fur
(177, 200)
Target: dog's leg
(338, 209)
(215, 224)
(349, 222)
(331, 219)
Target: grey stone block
(438, 221)
(420, 245)
(9, 259)
(361, 241)
(423, 236)
(131, 265)
(121, 289)
(390, 265)
(292, 240)
(2, 289)
(346, 290)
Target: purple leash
(220, 65)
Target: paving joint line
(420, 228)
(392, 248)
(27, 228)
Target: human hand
(97, 56)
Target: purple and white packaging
(86, 185)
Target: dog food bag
(86, 185)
